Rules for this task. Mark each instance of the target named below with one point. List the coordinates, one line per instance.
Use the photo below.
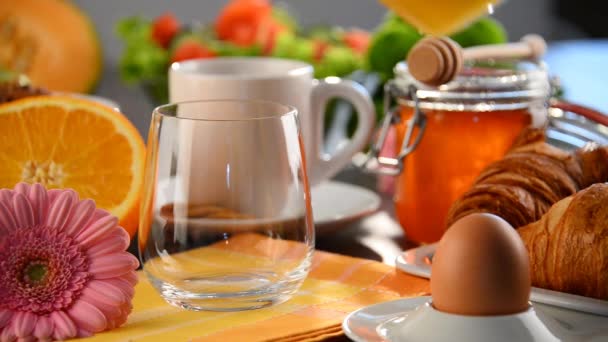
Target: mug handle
(322, 165)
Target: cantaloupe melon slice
(52, 42)
(439, 17)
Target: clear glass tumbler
(226, 221)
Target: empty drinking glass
(226, 221)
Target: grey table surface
(378, 236)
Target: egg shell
(481, 268)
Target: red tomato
(268, 35)
(357, 40)
(164, 28)
(191, 50)
(240, 21)
(320, 47)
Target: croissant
(531, 177)
(568, 246)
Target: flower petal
(88, 316)
(44, 328)
(7, 334)
(24, 214)
(94, 296)
(64, 326)
(53, 194)
(125, 286)
(5, 317)
(39, 201)
(97, 229)
(113, 265)
(125, 311)
(84, 333)
(61, 209)
(24, 322)
(100, 213)
(132, 278)
(8, 222)
(22, 188)
(6, 195)
(109, 291)
(118, 242)
(109, 310)
(81, 216)
(121, 319)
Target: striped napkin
(336, 286)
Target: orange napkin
(336, 286)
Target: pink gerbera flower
(64, 271)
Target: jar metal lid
(478, 87)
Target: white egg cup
(415, 319)
(429, 324)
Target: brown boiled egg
(481, 268)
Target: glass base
(226, 291)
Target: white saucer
(380, 322)
(336, 204)
(417, 261)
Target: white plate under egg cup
(414, 319)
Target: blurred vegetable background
(261, 28)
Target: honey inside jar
(470, 122)
(455, 148)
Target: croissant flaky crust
(533, 175)
(568, 246)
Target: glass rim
(287, 110)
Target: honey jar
(446, 135)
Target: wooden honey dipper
(437, 60)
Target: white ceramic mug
(284, 81)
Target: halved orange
(65, 142)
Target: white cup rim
(265, 110)
(207, 68)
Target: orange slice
(64, 142)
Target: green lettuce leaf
(142, 59)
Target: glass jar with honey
(446, 135)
